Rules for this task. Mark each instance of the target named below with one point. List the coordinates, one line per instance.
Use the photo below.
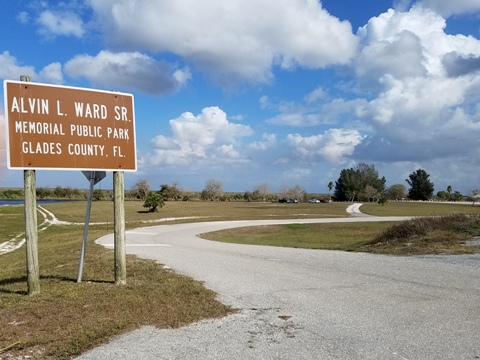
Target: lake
(21, 202)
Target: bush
(153, 202)
(422, 227)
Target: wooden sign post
(31, 232)
(55, 127)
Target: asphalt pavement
(308, 304)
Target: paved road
(309, 304)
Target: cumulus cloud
(58, 19)
(297, 174)
(458, 65)
(447, 8)
(60, 23)
(268, 140)
(23, 17)
(208, 137)
(425, 108)
(128, 70)
(11, 69)
(408, 44)
(238, 40)
(334, 145)
(317, 108)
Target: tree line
(362, 183)
(213, 191)
(359, 183)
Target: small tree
(172, 192)
(261, 191)
(421, 188)
(141, 189)
(370, 193)
(396, 192)
(382, 200)
(213, 190)
(330, 186)
(153, 202)
(457, 196)
(443, 195)
(474, 196)
(294, 192)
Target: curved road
(309, 304)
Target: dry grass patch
(135, 215)
(417, 208)
(429, 235)
(68, 318)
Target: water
(21, 202)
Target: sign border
(7, 129)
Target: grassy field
(414, 208)
(68, 318)
(135, 214)
(444, 233)
(347, 237)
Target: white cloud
(237, 40)
(10, 69)
(60, 23)
(316, 95)
(297, 174)
(317, 108)
(334, 145)
(428, 84)
(452, 7)
(408, 44)
(23, 17)
(268, 140)
(208, 137)
(52, 73)
(128, 70)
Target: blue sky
(283, 92)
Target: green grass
(375, 237)
(12, 222)
(135, 214)
(414, 208)
(347, 236)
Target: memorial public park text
(61, 128)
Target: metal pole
(85, 229)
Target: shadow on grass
(23, 279)
(12, 281)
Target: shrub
(423, 226)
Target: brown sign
(62, 128)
